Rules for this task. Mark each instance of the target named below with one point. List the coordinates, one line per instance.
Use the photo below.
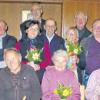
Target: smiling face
(33, 31)
(60, 59)
(50, 27)
(36, 11)
(80, 20)
(96, 29)
(3, 28)
(13, 61)
(72, 35)
(60, 63)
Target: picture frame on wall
(26, 15)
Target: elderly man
(18, 82)
(6, 41)
(36, 12)
(80, 21)
(91, 46)
(54, 41)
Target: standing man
(80, 21)
(6, 41)
(91, 46)
(36, 12)
(54, 41)
(18, 82)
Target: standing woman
(34, 40)
(73, 50)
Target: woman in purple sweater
(59, 74)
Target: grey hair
(12, 50)
(59, 53)
(81, 13)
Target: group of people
(21, 79)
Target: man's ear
(6, 28)
(44, 27)
(26, 30)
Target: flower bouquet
(34, 55)
(73, 48)
(63, 92)
(24, 98)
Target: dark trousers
(80, 75)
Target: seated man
(18, 82)
(6, 41)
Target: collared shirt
(2, 63)
(1, 41)
(49, 38)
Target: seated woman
(93, 86)
(59, 74)
(34, 41)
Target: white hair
(59, 53)
(81, 13)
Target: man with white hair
(80, 21)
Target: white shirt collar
(49, 38)
(3, 35)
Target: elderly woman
(93, 86)
(59, 74)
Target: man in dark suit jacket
(36, 12)
(80, 21)
(6, 41)
(55, 42)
